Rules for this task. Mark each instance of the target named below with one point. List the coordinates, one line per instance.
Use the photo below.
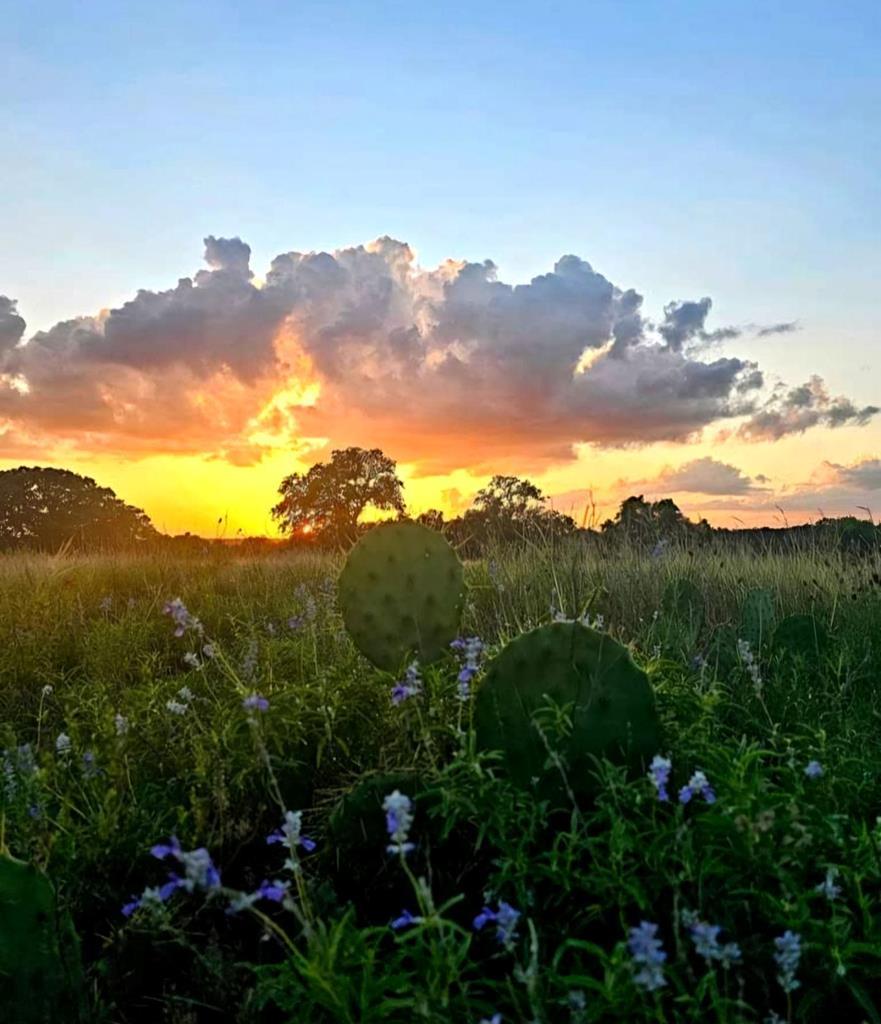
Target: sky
(617, 248)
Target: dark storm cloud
(803, 407)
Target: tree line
(51, 509)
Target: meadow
(736, 880)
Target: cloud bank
(444, 368)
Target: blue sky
(726, 149)
(684, 149)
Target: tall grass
(85, 640)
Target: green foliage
(682, 606)
(800, 636)
(606, 698)
(45, 509)
(757, 617)
(755, 862)
(401, 593)
(39, 968)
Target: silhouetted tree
(329, 499)
(433, 519)
(509, 508)
(648, 522)
(46, 508)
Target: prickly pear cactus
(800, 636)
(613, 704)
(757, 617)
(401, 593)
(40, 978)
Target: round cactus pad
(613, 712)
(401, 593)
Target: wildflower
(199, 869)
(813, 769)
(275, 892)
(828, 887)
(398, 820)
(290, 835)
(255, 702)
(471, 648)
(185, 694)
(404, 920)
(183, 620)
(90, 769)
(209, 651)
(409, 686)
(659, 773)
(648, 955)
(787, 958)
(706, 943)
(745, 653)
(698, 784)
(106, 603)
(151, 896)
(176, 708)
(505, 919)
(62, 744)
(47, 691)
(120, 723)
(192, 660)
(19, 765)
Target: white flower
(121, 724)
(62, 744)
(48, 690)
(176, 708)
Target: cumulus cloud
(11, 325)
(796, 410)
(442, 367)
(701, 476)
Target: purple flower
(698, 785)
(405, 920)
(706, 943)
(398, 821)
(813, 769)
(648, 955)
(273, 891)
(182, 619)
(290, 834)
(505, 919)
(471, 648)
(255, 702)
(199, 869)
(787, 958)
(659, 773)
(409, 686)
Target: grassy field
(118, 735)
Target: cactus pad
(39, 959)
(401, 593)
(800, 636)
(613, 705)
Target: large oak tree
(44, 509)
(328, 500)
